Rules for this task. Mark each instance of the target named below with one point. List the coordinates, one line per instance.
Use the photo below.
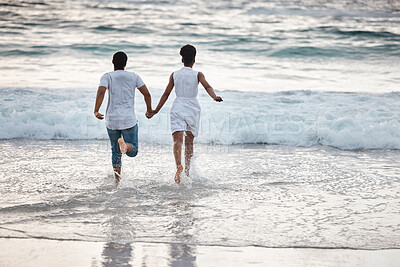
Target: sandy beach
(46, 253)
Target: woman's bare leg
(178, 140)
(188, 150)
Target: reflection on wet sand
(117, 254)
(183, 254)
(180, 252)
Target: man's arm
(164, 97)
(99, 100)
(147, 97)
(209, 89)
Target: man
(120, 114)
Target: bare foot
(122, 146)
(117, 177)
(178, 174)
(117, 174)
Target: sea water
(242, 45)
(252, 195)
(303, 152)
(343, 120)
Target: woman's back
(186, 82)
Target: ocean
(302, 153)
(264, 46)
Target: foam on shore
(296, 118)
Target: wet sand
(46, 253)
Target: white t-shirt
(120, 113)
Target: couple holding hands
(121, 122)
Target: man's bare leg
(178, 140)
(117, 173)
(188, 150)
(124, 147)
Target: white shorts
(185, 122)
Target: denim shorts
(130, 136)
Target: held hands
(98, 115)
(218, 99)
(150, 114)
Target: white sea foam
(296, 118)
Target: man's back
(121, 86)
(121, 120)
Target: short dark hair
(188, 53)
(119, 60)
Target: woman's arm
(209, 89)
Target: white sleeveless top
(186, 82)
(185, 111)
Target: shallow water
(269, 196)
